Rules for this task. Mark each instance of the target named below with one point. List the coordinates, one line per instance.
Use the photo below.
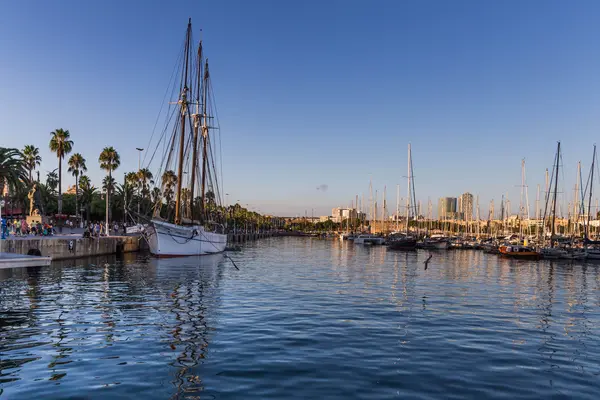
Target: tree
(108, 184)
(52, 181)
(88, 192)
(145, 180)
(13, 169)
(32, 158)
(76, 167)
(61, 145)
(109, 161)
(169, 180)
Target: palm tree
(109, 161)
(13, 169)
(87, 193)
(61, 145)
(32, 158)
(52, 181)
(108, 184)
(145, 180)
(76, 167)
(169, 180)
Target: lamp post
(139, 177)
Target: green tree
(13, 169)
(145, 179)
(52, 182)
(169, 180)
(76, 167)
(88, 193)
(32, 159)
(60, 144)
(109, 161)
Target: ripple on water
(303, 318)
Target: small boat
(435, 243)
(518, 251)
(369, 239)
(402, 242)
(553, 253)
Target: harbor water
(302, 318)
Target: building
(71, 190)
(447, 208)
(465, 206)
(340, 214)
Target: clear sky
(316, 93)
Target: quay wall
(68, 248)
(245, 237)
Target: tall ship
(187, 216)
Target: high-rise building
(447, 208)
(465, 206)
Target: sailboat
(194, 225)
(406, 241)
(553, 252)
(591, 246)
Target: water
(302, 318)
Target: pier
(68, 247)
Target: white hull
(436, 245)
(170, 240)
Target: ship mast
(587, 226)
(555, 193)
(196, 126)
(204, 141)
(184, 106)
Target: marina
(388, 200)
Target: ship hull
(170, 240)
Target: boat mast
(397, 205)
(576, 207)
(183, 103)
(587, 225)
(408, 193)
(196, 127)
(204, 141)
(555, 193)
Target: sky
(317, 98)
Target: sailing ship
(194, 223)
(406, 241)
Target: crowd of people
(20, 227)
(97, 229)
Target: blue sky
(319, 92)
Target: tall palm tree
(145, 180)
(87, 193)
(13, 169)
(109, 161)
(52, 181)
(76, 167)
(60, 144)
(108, 184)
(32, 158)
(169, 180)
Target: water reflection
(302, 318)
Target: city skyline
(284, 100)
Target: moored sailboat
(194, 224)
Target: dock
(64, 247)
(11, 260)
